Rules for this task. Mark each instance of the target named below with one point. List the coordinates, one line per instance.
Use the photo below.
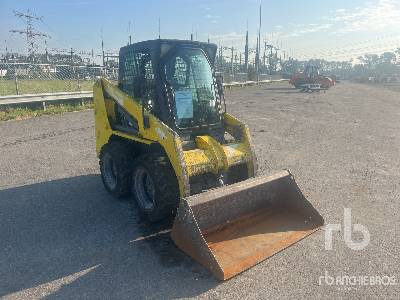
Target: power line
(31, 34)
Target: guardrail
(251, 83)
(44, 98)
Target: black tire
(155, 187)
(116, 162)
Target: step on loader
(165, 139)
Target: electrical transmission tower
(246, 49)
(31, 34)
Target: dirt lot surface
(63, 236)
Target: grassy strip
(27, 113)
(25, 86)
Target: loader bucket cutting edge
(232, 228)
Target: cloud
(375, 19)
(373, 16)
(296, 30)
(312, 28)
(212, 18)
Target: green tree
(370, 60)
(388, 58)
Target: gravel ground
(63, 236)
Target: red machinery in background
(311, 76)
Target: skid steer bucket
(232, 228)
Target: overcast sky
(330, 29)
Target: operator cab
(175, 81)
(312, 71)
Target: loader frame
(209, 157)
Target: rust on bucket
(232, 228)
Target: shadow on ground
(70, 238)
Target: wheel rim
(144, 189)
(109, 171)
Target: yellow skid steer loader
(163, 137)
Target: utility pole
(232, 61)
(236, 61)
(256, 59)
(5, 43)
(129, 34)
(71, 52)
(265, 53)
(47, 53)
(159, 28)
(102, 49)
(232, 49)
(220, 57)
(270, 58)
(246, 49)
(31, 34)
(72, 64)
(6, 58)
(258, 47)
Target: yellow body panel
(212, 157)
(242, 134)
(209, 156)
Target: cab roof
(154, 46)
